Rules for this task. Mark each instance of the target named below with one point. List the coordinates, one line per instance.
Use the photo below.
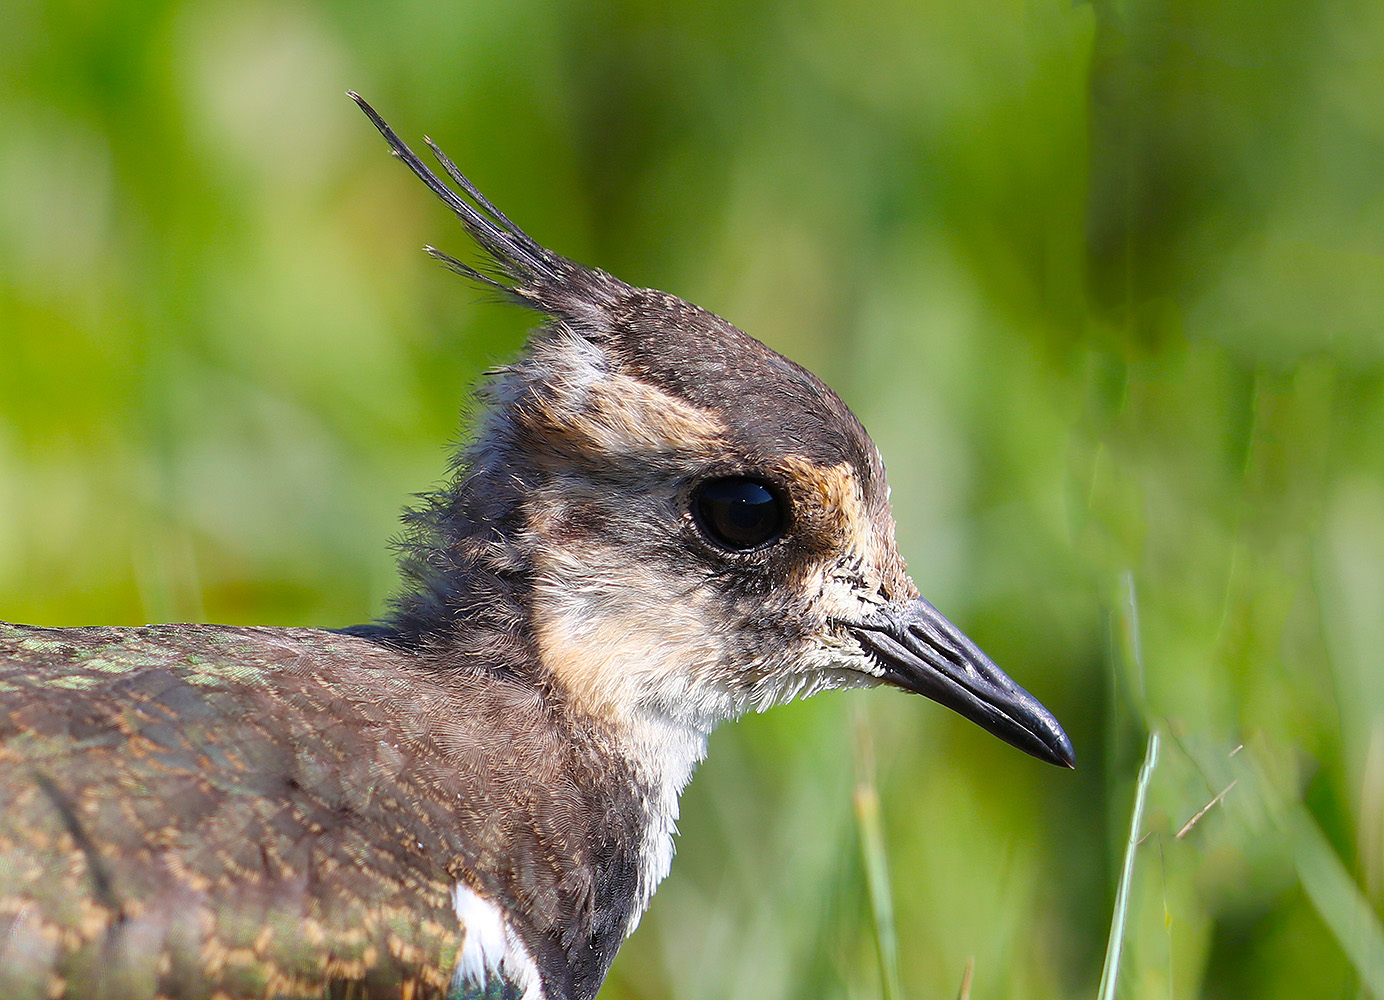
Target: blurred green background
(1106, 281)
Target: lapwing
(660, 524)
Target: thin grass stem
(876, 860)
(1115, 945)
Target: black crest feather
(541, 279)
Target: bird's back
(187, 810)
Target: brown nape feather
(460, 556)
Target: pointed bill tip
(1057, 746)
(919, 650)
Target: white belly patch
(491, 955)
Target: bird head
(702, 527)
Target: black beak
(922, 652)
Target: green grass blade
(876, 862)
(1110, 973)
(965, 992)
(1339, 902)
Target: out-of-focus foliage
(1106, 282)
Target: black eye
(738, 513)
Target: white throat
(664, 752)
